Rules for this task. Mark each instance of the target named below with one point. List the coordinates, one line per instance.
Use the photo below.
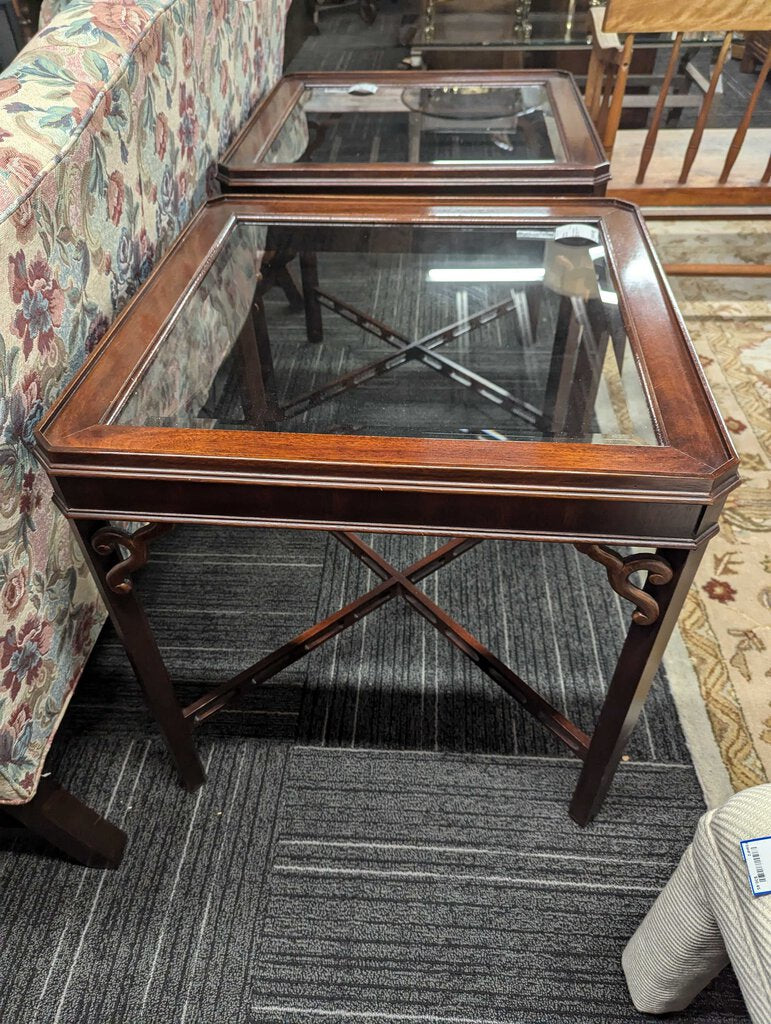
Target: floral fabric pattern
(111, 120)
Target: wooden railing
(606, 94)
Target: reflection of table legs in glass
(423, 349)
(578, 354)
(580, 340)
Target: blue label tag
(757, 857)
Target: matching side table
(523, 132)
(464, 367)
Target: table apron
(673, 523)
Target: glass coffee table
(525, 131)
(465, 368)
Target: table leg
(130, 622)
(310, 282)
(637, 664)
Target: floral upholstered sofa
(111, 120)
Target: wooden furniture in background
(756, 46)
(607, 84)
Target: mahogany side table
(472, 368)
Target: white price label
(757, 857)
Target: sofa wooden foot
(71, 826)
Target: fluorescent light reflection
(451, 274)
(488, 163)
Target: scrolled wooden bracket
(111, 538)
(620, 568)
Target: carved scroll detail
(619, 569)
(111, 538)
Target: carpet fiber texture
(383, 837)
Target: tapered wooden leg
(637, 664)
(130, 622)
(255, 364)
(72, 827)
(310, 283)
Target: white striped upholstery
(706, 916)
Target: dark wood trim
(72, 827)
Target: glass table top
(369, 122)
(496, 332)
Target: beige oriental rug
(720, 664)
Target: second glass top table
(523, 131)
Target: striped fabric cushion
(706, 916)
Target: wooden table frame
(585, 171)
(666, 496)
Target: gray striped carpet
(383, 837)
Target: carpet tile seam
(244, 861)
(177, 875)
(471, 756)
(190, 967)
(337, 844)
(262, 892)
(491, 879)
(374, 1015)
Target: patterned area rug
(726, 624)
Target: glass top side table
(526, 131)
(467, 368)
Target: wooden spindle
(698, 131)
(738, 139)
(608, 79)
(653, 131)
(593, 80)
(767, 173)
(614, 114)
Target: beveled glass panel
(501, 333)
(368, 123)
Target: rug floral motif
(726, 622)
